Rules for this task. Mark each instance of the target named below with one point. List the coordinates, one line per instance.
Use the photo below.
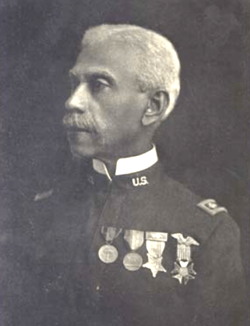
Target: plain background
(203, 143)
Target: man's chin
(81, 153)
(81, 144)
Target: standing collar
(129, 165)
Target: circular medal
(108, 254)
(132, 261)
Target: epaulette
(43, 195)
(211, 207)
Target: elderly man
(123, 244)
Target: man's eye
(99, 84)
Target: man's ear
(157, 105)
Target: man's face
(105, 108)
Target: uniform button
(98, 288)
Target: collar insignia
(211, 207)
(140, 181)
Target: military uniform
(185, 267)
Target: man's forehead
(106, 52)
(104, 60)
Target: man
(127, 245)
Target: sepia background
(203, 143)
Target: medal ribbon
(134, 239)
(156, 243)
(110, 233)
(184, 247)
(157, 236)
(155, 248)
(183, 252)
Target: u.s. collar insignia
(140, 181)
(184, 267)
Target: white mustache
(75, 120)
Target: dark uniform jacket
(70, 285)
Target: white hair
(159, 66)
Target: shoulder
(195, 215)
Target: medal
(184, 267)
(184, 273)
(108, 253)
(155, 244)
(133, 261)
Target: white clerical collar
(129, 165)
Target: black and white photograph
(124, 156)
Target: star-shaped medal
(154, 263)
(184, 273)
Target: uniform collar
(128, 165)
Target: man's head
(159, 66)
(127, 84)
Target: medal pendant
(108, 254)
(184, 272)
(133, 261)
(155, 265)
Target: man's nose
(79, 99)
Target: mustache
(78, 121)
